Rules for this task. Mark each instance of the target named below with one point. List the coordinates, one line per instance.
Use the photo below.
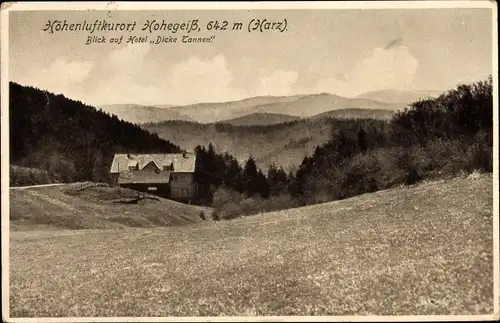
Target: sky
(341, 51)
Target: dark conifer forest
(71, 140)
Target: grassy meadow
(425, 249)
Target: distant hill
(302, 106)
(399, 96)
(356, 114)
(69, 138)
(310, 105)
(261, 118)
(140, 114)
(284, 144)
(221, 111)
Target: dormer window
(169, 167)
(133, 165)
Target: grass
(72, 207)
(423, 250)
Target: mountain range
(271, 109)
(136, 113)
(272, 129)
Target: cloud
(392, 67)
(61, 76)
(128, 75)
(128, 60)
(196, 80)
(190, 81)
(119, 79)
(279, 83)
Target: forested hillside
(283, 144)
(71, 140)
(435, 138)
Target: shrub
(20, 176)
(224, 195)
(230, 211)
(215, 216)
(412, 175)
(480, 152)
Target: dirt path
(35, 186)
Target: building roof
(132, 163)
(183, 163)
(128, 177)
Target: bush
(480, 153)
(412, 175)
(231, 211)
(254, 205)
(22, 176)
(224, 195)
(215, 216)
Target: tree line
(215, 170)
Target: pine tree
(271, 178)
(362, 144)
(233, 174)
(249, 177)
(277, 180)
(262, 187)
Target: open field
(419, 250)
(85, 206)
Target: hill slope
(261, 119)
(81, 206)
(220, 111)
(310, 105)
(424, 250)
(277, 140)
(140, 114)
(356, 114)
(399, 96)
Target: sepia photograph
(249, 161)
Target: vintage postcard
(249, 161)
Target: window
(185, 192)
